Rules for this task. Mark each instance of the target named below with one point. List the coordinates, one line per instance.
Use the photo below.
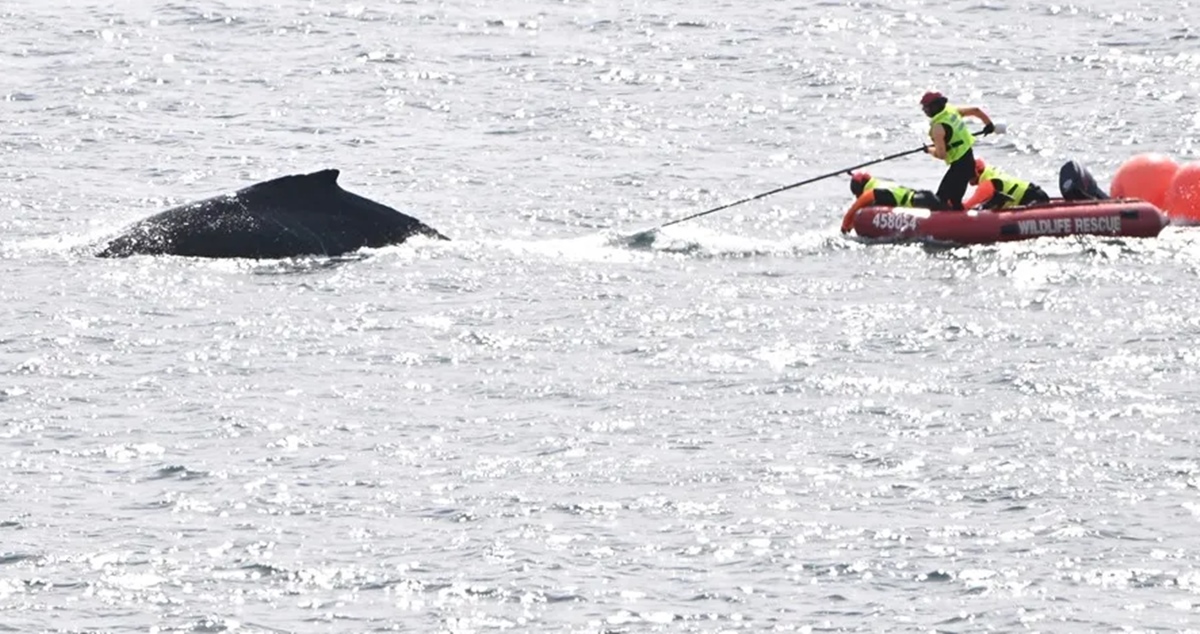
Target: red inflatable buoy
(1183, 195)
(1145, 176)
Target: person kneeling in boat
(871, 191)
(996, 190)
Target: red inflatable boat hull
(1129, 217)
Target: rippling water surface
(749, 423)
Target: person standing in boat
(995, 189)
(870, 191)
(952, 143)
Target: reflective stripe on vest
(960, 139)
(903, 195)
(1014, 188)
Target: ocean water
(750, 423)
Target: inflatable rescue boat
(1084, 209)
(1127, 217)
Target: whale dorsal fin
(317, 181)
(324, 178)
(327, 176)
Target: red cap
(858, 181)
(931, 97)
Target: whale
(290, 216)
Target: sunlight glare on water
(559, 420)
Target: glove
(988, 129)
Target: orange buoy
(1183, 194)
(1145, 176)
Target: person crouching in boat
(952, 143)
(996, 190)
(870, 191)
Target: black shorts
(954, 183)
(1034, 195)
(922, 198)
(926, 199)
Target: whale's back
(304, 214)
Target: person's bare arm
(938, 134)
(973, 111)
